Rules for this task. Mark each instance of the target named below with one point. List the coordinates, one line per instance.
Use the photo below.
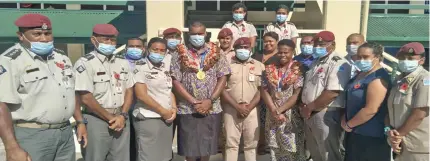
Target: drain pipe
(364, 17)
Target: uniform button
(53, 74)
(112, 84)
(37, 77)
(114, 94)
(65, 107)
(114, 103)
(59, 84)
(64, 96)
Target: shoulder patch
(59, 51)
(89, 56)
(80, 68)
(2, 70)
(336, 58)
(426, 81)
(13, 54)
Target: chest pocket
(101, 83)
(34, 81)
(69, 80)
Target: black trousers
(366, 148)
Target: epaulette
(336, 58)
(140, 62)
(272, 23)
(59, 51)
(249, 23)
(119, 56)
(13, 54)
(227, 22)
(88, 56)
(290, 23)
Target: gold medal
(201, 75)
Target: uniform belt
(37, 125)
(113, 110)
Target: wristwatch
(125, 114)
(213, 100)
(84, 121)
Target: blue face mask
(352, 49)
(243, 54)
(238, 16)
(106, 49)
(134, 53)
(197, 40)
(363, 65)
(281, 18)
(41, 48)
(155, 57)
(172, 43)
(408, 66)
(319, 52)
(307, 49)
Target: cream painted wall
(342, 18)
(157, 17)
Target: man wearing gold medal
(199, 76)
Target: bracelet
(346, 123)
(386, 130)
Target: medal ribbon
(202, 58)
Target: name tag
(101, 73)
(32, 70)
(251, 77)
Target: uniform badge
(2, 70)
(320, 39)
(135, 71)
(80, 69)
(44, 26)
(426, 81)
(243, 29)
(411, 50)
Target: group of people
(335, 108)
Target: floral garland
(273, 77)
(192, 64)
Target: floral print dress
(286, 140)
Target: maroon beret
(324, 36)
(105, 29)
(224, 33)
(242, 41)
(413, 48)
(33, 20)
(171, 31)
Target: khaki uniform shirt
(159, 85)
(245, 80)
(106, 79)
(329, 73)
(229, 54)
(408, 93)
(287, 31)
(245, 29)
(37, 90)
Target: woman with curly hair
(281, 86)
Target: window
(8, 5)
(91, 7)
(54, 6)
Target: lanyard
(202, 58)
